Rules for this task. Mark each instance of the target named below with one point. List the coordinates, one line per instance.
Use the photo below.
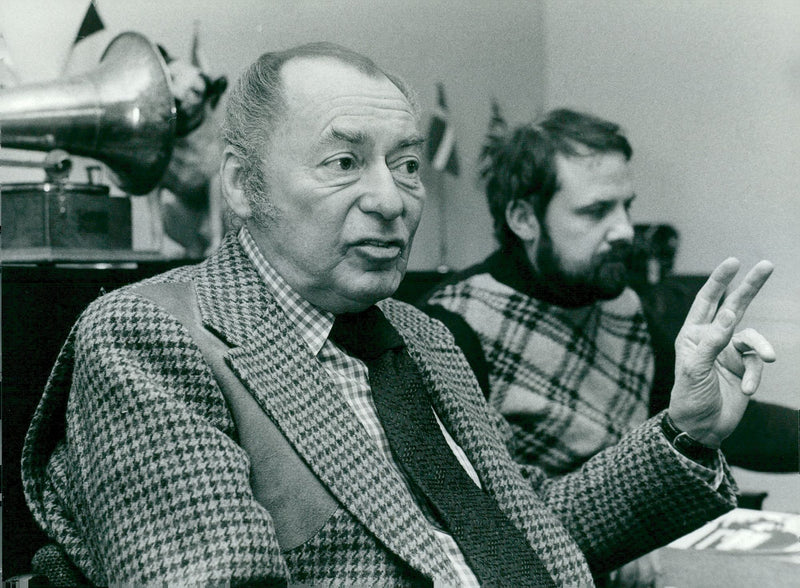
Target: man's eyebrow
(334, 135)
(410, 142)
(606, 202)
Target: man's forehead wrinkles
(332, 135)
(348, 121)
(367, 104)
(378, 95)
(331, 98)
(325, 95)
(328, 112)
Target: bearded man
(559, 342)
(557, 338)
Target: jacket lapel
(278, 369)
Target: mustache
(620, 252)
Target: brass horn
(122, 113)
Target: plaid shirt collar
(313, 324)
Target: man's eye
(598, 212)
(408, 167)
(341, 163)
(345, 163)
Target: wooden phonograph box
(64, 215)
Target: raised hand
(716, 371)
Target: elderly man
(257, 418)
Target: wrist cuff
(685, 445)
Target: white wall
(477, 49)
(709, 93)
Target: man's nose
(381, 194)
(621, 227)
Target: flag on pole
(498, 122)
(88, 43)
(495, 143)
(441, 138)
(92, 23)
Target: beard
(604, 277)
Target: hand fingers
(705, 304)
(639, 573)
(655, 562)
(755, 350)
(707, 299)
(647, 572)
(743, 294)
(750, 341)
(753, 367)
(715, 337)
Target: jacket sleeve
(632, 498)
(154, 485)
(624, 502)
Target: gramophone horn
(121, 113)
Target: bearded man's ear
(521, 219)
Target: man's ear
(522, 220)
(232, 180)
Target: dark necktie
(497, 552)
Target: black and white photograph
(372, 293)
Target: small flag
(497, 123)
(441, 138)
(91, 23)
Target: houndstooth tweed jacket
(186, 435)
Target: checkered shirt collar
(313, 324)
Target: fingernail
(749, 384)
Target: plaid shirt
(352, 378)
(571, 382)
